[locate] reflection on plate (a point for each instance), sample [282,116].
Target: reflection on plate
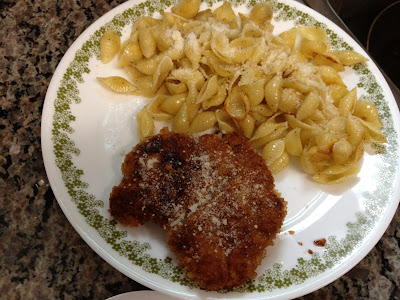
[86,131]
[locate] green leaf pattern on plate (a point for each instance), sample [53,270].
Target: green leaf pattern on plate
[274,278]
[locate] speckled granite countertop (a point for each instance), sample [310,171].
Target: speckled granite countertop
[41,255]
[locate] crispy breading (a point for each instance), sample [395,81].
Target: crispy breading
[213,195]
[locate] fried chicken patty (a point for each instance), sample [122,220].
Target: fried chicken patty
[213,195]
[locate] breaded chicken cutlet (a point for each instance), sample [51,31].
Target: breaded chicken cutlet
[213,195]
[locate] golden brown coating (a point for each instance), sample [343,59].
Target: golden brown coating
[215,198]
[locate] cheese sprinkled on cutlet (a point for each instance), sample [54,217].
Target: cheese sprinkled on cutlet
[214,196]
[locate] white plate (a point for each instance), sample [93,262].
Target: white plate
[142,295]
[86,131]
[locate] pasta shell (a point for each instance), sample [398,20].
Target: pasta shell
[290,100]
[328,59]
[162,71]
[310,48]
[184,63]
[357,154]
[222,68]
[348,57]
[279,164]
[325,141]
[176,52]
[164,41]
[131,52]
[133,73]
[258,53]
[309,106]
[308,137]
[295,123]
[272,92]
[122,47]
[208,90]
[355,131]
[336,174]
[373,133]
[241,49]
[192,49]
[342,151]
[255,92]
[277,133]
[337,124]
[186,8]
[173,104]
[225,14]
[368,112]
[220,46]
[144,22]
[318,117]
[262,109]
[145,86]
[247,125]
[293,144]
[118,85]
[147,42]
[189,77]
[312,161]
[299,56]
[337,92]
[313,33]
[156,111]
[149,65]
[273,150]
[330,76]
[193,28]
[250,29]
[218,98]
[289,37]
[261,13]
[203,121]
[181,122]
[264,130]
[296,84]
[145,124]
[237,104]
[174,19]
[348,103]
[175,86]
[258,118]
[225,122]
[192,107]
[110,43]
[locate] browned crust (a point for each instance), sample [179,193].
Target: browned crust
[215,198]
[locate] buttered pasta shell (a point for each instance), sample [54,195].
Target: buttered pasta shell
[187,8]
[273,150]
[261,13]
[110,43]
[336,174]
[237,105]
[118,85]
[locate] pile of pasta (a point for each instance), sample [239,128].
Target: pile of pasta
[226,71]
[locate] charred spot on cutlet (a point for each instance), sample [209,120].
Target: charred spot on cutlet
[153,146]
[172,158]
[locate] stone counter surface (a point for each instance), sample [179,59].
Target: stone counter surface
[41,255]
